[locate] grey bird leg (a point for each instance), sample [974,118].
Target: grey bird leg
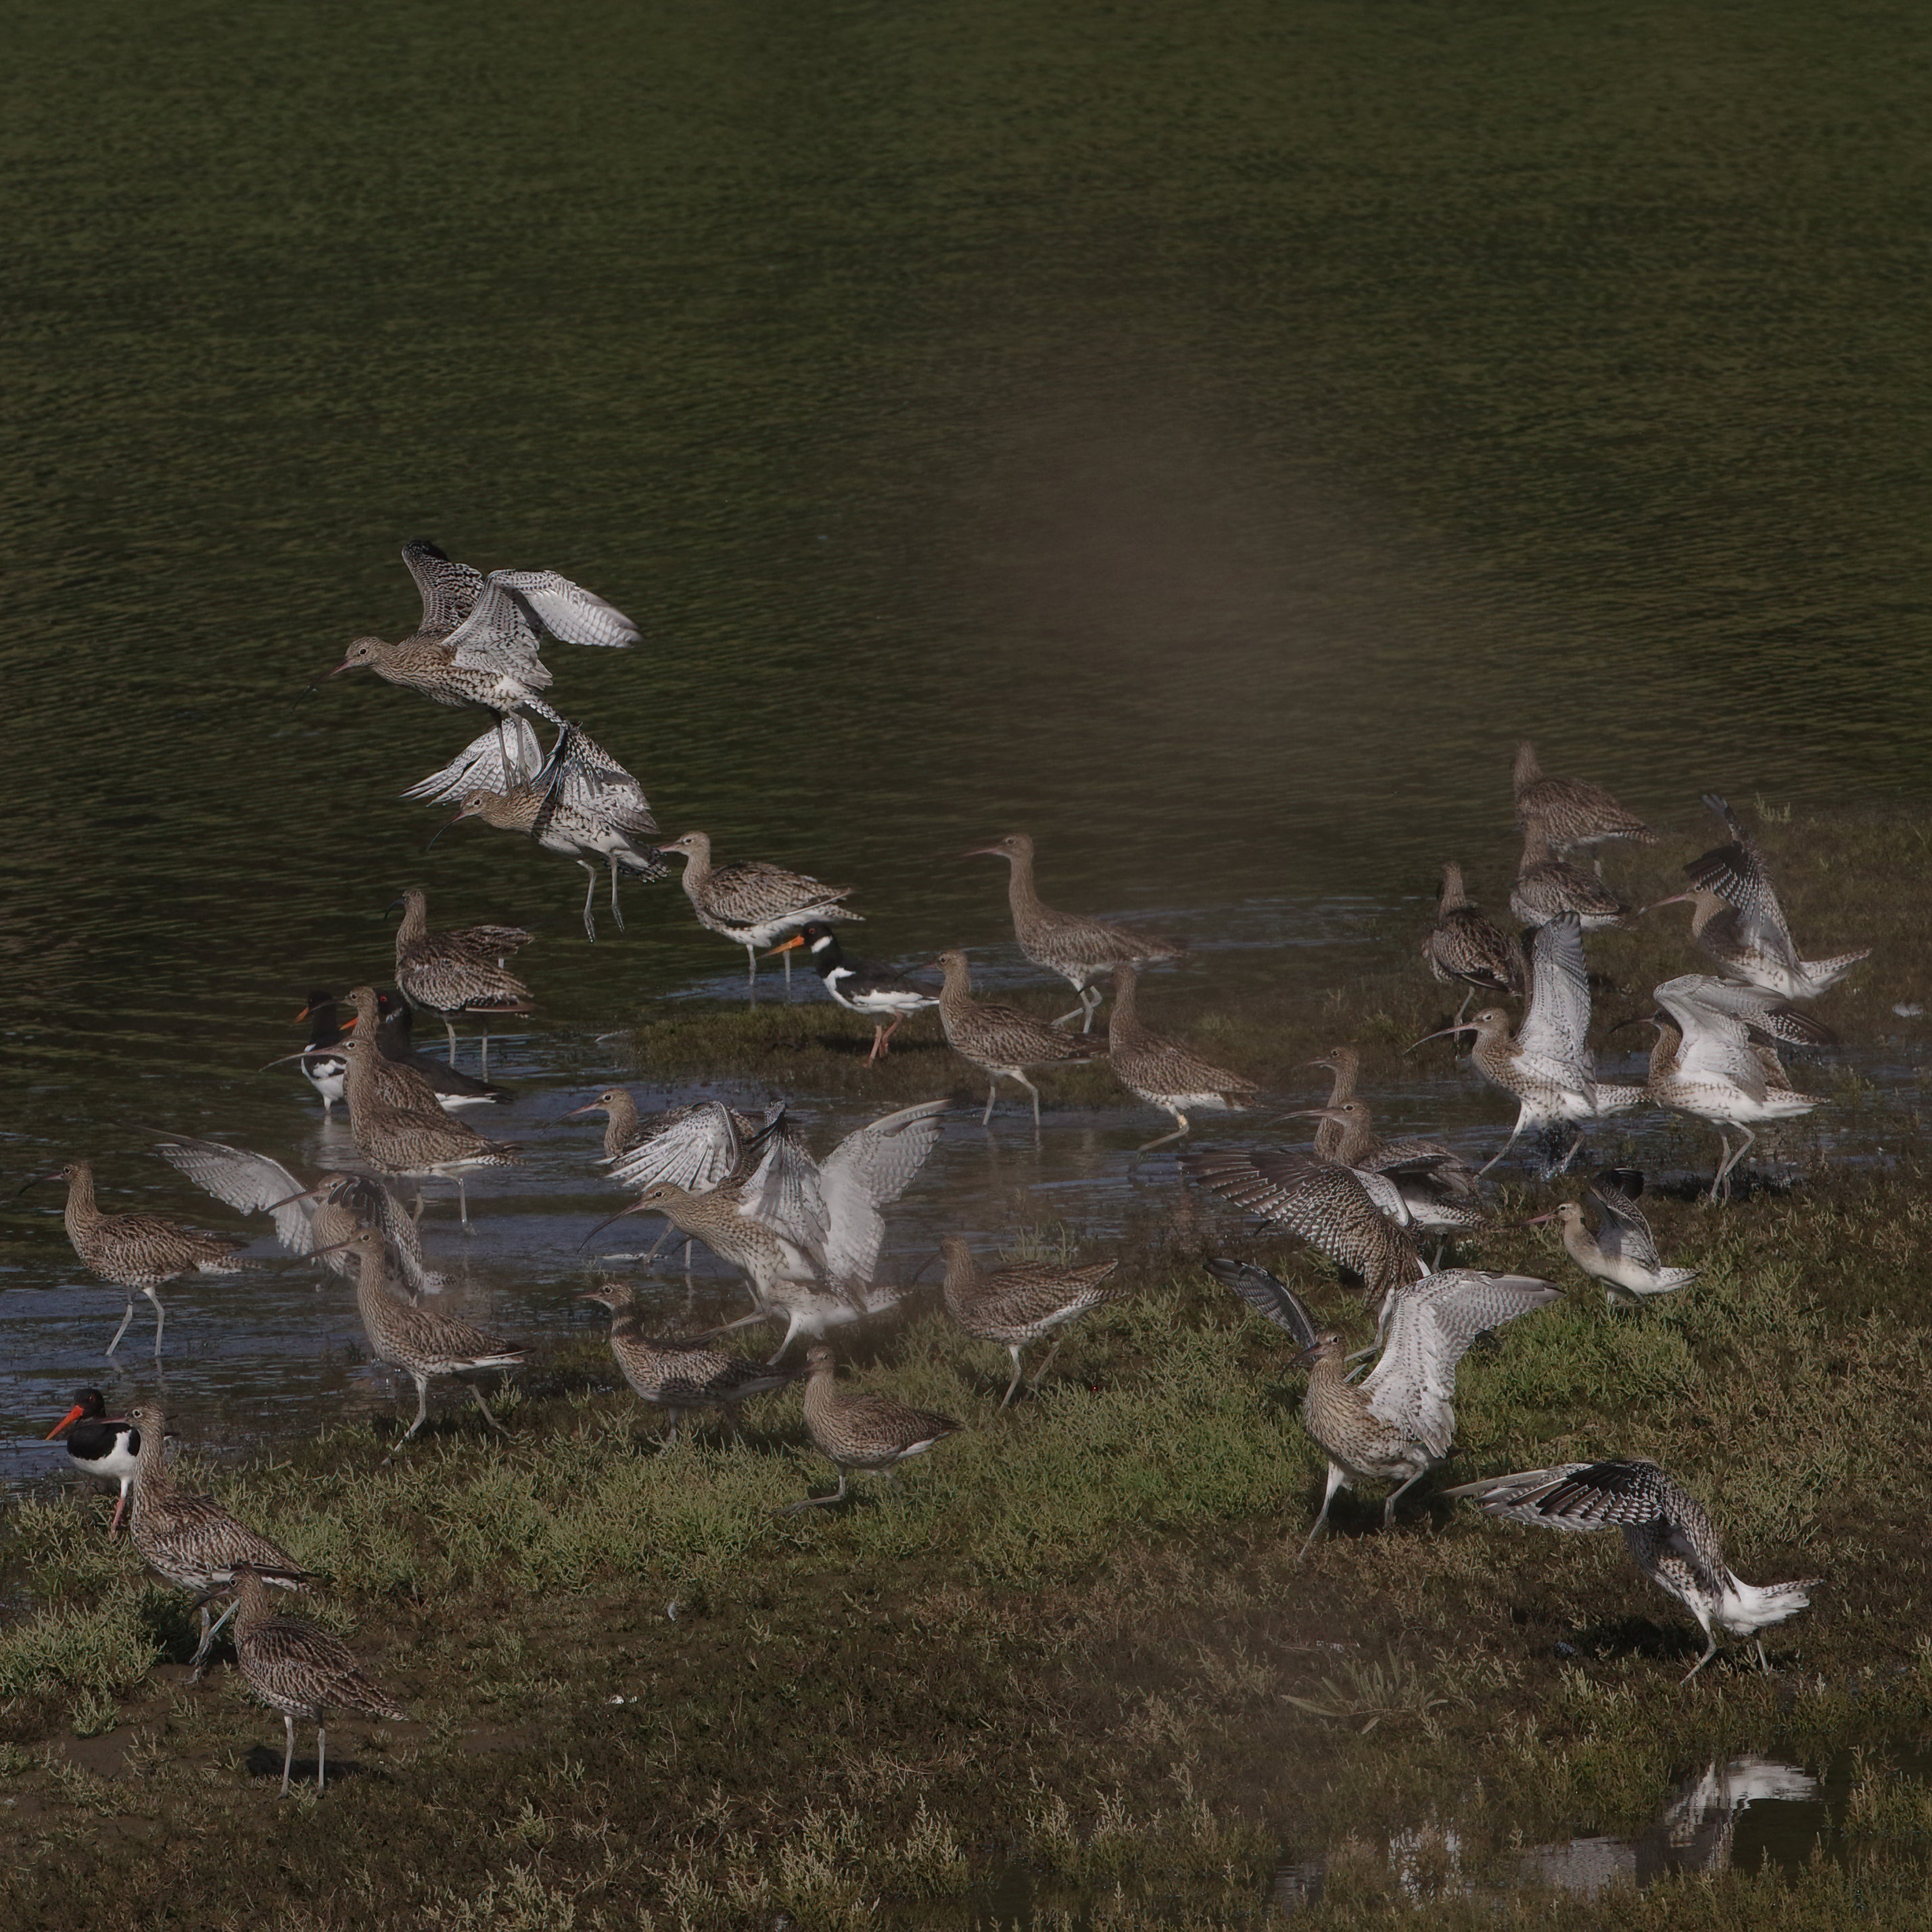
[1039,1374]
[463,1204]
[1079,1012]
[449,1026]
[422,1414]
[487,1417]
[288,1755]
[208,1636]
[1563,1166]
[1730,1166]
[1506,1146]
[1763,1662]
[791,1329]
[992,1094]
[590,893]
[1710,1652]
[1337,1476]
[1388,1508]
[161,1319]
[786,958]
[616,911]
[751,968]
[321,1754]
[670,1441]
[1148,1147]
[1723,1162]
[124,1320]
[1464,1006]
[814,1502]
[1012,1349]
[1090,998]
[1035,1092]
[486,1046]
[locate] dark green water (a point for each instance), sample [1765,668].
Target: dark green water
[1208,436]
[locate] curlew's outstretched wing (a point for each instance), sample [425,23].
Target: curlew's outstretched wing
[1556,1030]
[1739,876]
[251,1182]
[448,589]
[496,761]
[1273,1300]
[567,610]
[869,1170]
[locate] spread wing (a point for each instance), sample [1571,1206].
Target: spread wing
[581,777]
[1624,1233]
[250,1182]
[494,760]
[1272,1300]
[1737,873]
[448,589]
[1763,1013]
[1716,1045]
[866,1171]
[567,610]
[500,634]
[1556,1028]
[696,1148]
[783,1192]
[1584,1496]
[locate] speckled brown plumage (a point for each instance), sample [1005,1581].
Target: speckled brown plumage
[190,1540]
[675,1375]
[301,1670]
[750,903]
[459,971]
[1001,1041]
[1465,947]
[137,1252]
[1572,813]
[1547,887]
[1080,950]
[1161,1072]
[1018,1304]
[856,1430]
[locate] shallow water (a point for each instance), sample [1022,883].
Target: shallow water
[1209,443]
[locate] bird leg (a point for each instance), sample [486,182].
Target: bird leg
[487,1417]
[589,895]
[1710,1652]
[1506,1146]
[288,1755]
[791,1329]
[1763,1662]
[449,1027]
[486,1046]
[1730,1165]
[1035,1092]
[1012,1349]
[617,911]
[209,1636]
[463,1204]
[992,1094]
[124,1320]
[1151,1145]
[786,958]
[114,1523]
[1337,1476]
[751,972]
[1464,1006]
[1090,998]
[321,1754]
[815,1502]
[422,1414]
[1388,1508]
[1079,1012]
[1039,1374]
[1563,1166]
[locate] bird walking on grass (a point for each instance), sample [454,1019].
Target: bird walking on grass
[1163,1073]
[300,1669]
[1399,1421]
[752,904]
[1464,948]
[1082,951]
[104,1445]
[677,1376]
[138,1253]
[1622,1252]
[423,1345]
[1003,1042]
[459,970]
[192,1541]
[1022,1303]
[1737,919]
[862,986]
[855,1430]
[1668,1536]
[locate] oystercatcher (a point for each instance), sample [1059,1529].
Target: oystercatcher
[101,1444]
[860,985]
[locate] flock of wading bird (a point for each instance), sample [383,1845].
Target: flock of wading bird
[807,1234]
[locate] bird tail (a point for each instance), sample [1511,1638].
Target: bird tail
[1823,973]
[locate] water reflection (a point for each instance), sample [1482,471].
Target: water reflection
[1696,1831]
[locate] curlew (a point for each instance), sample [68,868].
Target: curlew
[1622,1252]
[677,1376]
[424,1345]
[459,970]
[138,1253]
[1003,1042]
[1739,921]
[1022,1303]
[1398,1423]
[1546,1064]
[862,986]
[1082,951]
[299,1669]
[1669,1538]
[1572,814]
[479,637]
[189,1540]
[750,903]
[1464,948]
[1547,887]
[856,1430]
[1162,1073]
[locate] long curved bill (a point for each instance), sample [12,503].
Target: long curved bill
[1445,1033]
[635,1208]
